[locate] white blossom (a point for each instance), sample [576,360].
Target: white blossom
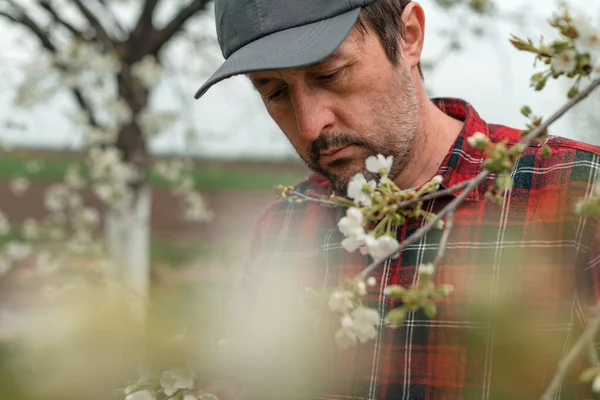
[382,246]
[175,379]
[169,170]
[141,395]
[89,216]
[446,289]
[478,140]
[73,178]
[371,281]
[359,189]
[119,110]
[190,397]
[365,322]
[155,122]
[352,223]
[354,242]
[56,197]
[195,208]
[30,229]
[341,300]
[361,287]
[95,136]
[379,164]
[596,384]
[19,185]
[588,38]
[437,180]
[427,269]
[345,337]
[16,250]
[147,71]
[564,61]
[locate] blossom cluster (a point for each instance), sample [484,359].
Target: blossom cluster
[375,208]
[374,211]
[175,383]
[178,174]
[358,323]
[576,54]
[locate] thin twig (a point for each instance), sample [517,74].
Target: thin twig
[450,208]
[313,199]
[444,241]
[593,354]
[434,195]
[530,137]
[586,337]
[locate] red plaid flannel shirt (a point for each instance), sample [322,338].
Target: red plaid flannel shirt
[532,258]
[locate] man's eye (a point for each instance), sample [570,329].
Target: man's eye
[327,77]
[276,95]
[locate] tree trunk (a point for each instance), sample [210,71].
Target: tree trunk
[128,241]
[128,234]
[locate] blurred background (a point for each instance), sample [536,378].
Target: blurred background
[80,78]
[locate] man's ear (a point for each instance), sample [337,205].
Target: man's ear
[413,17]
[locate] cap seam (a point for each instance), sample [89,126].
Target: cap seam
[257,19]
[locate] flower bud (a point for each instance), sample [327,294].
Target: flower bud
[478,140]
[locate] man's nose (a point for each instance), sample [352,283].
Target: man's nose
[313,112]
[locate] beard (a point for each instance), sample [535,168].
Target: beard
[395,127]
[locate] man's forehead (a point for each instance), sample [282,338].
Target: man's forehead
[342,53]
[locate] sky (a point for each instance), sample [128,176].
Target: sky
[488,72]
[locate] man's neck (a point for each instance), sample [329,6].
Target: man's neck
[436,134]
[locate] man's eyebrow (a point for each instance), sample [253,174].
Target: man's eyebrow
[260,82]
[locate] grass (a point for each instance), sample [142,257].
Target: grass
[206,175]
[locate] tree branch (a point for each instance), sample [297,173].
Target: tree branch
[444,242]
[175,25]
[450,208]
[144,23]
[46,5]
[23,19]
[582,341]
[113,18]
[95,23]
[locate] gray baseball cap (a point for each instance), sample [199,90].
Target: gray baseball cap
[261,35]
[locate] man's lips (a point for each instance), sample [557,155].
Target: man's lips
[332,154]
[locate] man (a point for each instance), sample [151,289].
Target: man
[342,80]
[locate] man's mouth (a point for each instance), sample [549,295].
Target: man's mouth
[330,155]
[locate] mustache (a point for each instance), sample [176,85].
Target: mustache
[332,140]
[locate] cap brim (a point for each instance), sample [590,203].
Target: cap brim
[292,48]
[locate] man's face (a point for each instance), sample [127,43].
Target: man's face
[354,104]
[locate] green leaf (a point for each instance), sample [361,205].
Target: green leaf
[429,309]
[396,317]
[546,151]
[504,182]
[395,291]
[574,91]
[526,111]
[589,374]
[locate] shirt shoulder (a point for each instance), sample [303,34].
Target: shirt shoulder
[285,215]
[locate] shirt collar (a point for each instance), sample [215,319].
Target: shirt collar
[462,162]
